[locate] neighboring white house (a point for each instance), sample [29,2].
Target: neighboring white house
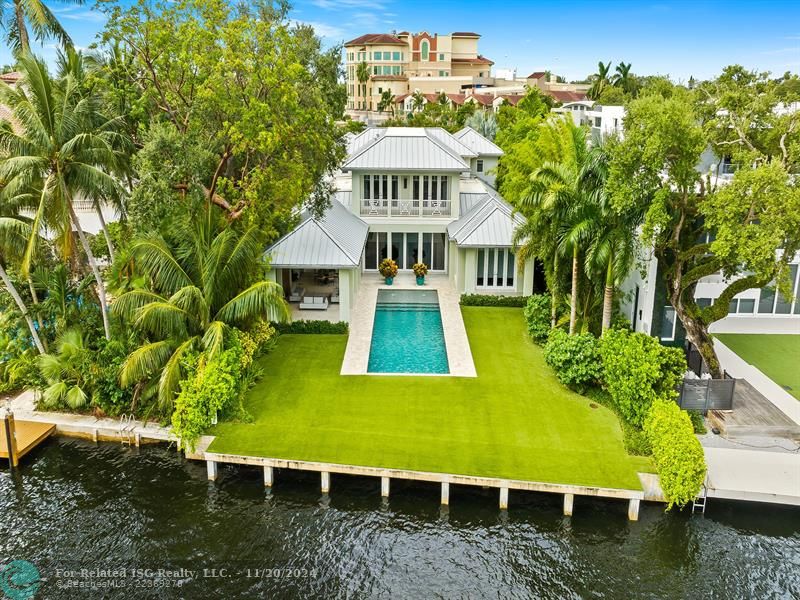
[759,310]
[413,195]
[577,110]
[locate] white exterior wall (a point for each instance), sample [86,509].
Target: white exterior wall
[647,290]
[489,168]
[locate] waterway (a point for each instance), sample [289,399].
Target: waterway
[127,513]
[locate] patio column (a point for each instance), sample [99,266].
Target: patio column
[345,294]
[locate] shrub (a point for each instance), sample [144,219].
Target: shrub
[633,438]
[488,300]
[311,327]
[537,315]
[637,370]
[574,358]
[213,386]
[420,269]
[677,453]
[388,268]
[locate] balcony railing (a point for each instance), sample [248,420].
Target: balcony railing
[405,208]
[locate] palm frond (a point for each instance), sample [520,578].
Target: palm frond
[214,339]
[262,300]
[145,361]
[171,375]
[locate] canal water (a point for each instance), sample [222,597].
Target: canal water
[146,523]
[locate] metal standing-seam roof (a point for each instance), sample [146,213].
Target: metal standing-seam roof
[477,143]
[405,149]
[491,222]
[448,139]
[334,241]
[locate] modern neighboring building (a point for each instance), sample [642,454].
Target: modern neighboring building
[404,63]
[413,195]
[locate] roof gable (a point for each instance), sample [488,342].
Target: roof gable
[334,240]
[477,143]
[490,222]
[405,149]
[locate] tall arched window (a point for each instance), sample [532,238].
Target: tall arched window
[423,48]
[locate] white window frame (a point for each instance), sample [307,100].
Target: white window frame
[674,323]
[484,268]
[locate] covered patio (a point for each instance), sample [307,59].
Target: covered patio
[318,264]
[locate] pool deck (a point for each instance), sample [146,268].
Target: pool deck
[356,356]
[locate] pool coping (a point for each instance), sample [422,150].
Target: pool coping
[459,354]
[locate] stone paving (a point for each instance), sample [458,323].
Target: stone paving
[459,356]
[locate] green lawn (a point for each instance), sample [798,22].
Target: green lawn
[775,355]
[514,421]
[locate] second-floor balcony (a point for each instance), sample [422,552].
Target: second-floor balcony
[405,208]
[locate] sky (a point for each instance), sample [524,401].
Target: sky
[679,38]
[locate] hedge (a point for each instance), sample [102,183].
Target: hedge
[487,300]
[574,358]
[538,315]
[303,326]
[677,453]
[638,370]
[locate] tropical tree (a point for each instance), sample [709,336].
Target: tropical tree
[67,371]
[624,78]
[561,203]
[362,74]
[484,123]
[14,236]
[59,150]
[201,286]
[386,102]
[417,101]
[600,80]
[19,14]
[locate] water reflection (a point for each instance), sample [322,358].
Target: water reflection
[81,504]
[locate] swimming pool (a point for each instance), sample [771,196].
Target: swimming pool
[407,334]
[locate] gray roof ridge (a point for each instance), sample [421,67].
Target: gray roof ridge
[332,238]
[290,234]
[366,146]
[471,152]
[467,130]
[444,147]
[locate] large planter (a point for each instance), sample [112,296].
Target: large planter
[420,281]
[389,280]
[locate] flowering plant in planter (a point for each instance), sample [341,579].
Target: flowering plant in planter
[388,269]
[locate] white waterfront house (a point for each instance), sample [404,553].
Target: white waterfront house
[413,195]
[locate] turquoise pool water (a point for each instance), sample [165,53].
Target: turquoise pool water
[407,335]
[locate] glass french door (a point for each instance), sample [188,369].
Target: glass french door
[495,268]
[406,248]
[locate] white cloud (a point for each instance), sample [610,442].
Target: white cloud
[78,13]
[348,4]
[325,30]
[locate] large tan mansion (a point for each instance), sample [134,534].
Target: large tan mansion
[404,63]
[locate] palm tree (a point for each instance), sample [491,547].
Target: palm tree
[61,148]
[66,370]
[599,80]
[42,21]
[624,78]
[14,236]
[199,289]
[417,101]
[362,74]
[387,101]
[558,206]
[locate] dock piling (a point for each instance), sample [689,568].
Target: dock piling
[503,498]
[385,487]
[269,475]
[633,509]
[11,439]
[568,500]
[445,493]
[211,467]
[326,481]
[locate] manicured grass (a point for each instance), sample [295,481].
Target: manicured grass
[775,355]
[515,420]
